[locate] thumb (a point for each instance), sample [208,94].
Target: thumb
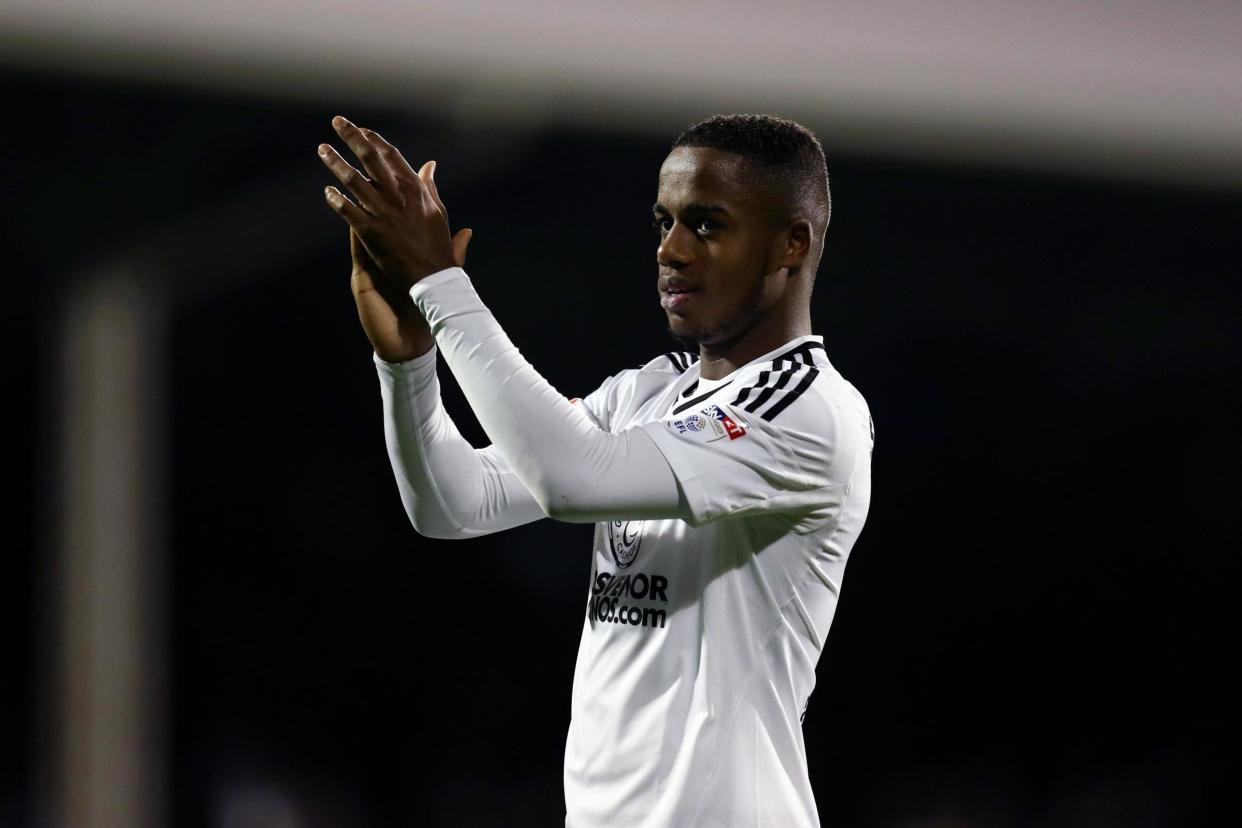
[460,242]
[428,174]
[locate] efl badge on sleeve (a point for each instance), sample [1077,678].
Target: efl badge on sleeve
[693,425]
[710,425]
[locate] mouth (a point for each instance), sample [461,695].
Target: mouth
[675,295]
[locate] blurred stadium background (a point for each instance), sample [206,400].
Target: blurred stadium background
[214,610]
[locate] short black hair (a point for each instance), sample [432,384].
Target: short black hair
[788,151]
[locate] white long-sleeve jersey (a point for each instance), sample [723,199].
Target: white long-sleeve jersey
[725,511]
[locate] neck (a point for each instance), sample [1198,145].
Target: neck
[719,359]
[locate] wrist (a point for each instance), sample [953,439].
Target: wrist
[405,354]
[448,274]
[410,276]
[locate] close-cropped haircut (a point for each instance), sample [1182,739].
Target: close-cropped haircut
[789,154]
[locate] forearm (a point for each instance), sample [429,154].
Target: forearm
[574,470]
[449,488]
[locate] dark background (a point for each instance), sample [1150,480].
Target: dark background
[1034,627]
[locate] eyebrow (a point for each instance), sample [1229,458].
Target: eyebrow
[693,207]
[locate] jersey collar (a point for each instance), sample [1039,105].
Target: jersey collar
[691,391]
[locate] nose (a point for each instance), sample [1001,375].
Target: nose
[676,248]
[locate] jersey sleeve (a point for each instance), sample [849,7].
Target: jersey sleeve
[729,462]
[576,468]
[623,392]
[449,488]
[600,404]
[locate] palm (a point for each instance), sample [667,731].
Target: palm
[394,325]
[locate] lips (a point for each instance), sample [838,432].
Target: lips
[676,291]
[672,300]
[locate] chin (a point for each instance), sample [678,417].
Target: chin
[680,325]
[688,335]
[685,335]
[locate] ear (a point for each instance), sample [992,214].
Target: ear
[795,244]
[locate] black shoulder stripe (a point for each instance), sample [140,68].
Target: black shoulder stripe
[675,358]
[695,401]
[762,386]
[797,358]
[781,381]
[759,383]
[785,401]
[803,351]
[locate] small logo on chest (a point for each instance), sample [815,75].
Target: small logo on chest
[624,538]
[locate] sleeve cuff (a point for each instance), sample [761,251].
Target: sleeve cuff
[407,368]
[420,288]
[437,278]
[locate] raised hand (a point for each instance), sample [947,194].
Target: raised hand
[390,319]
[395,213]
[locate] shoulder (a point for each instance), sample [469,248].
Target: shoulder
[654,375]
[625,391]
[792,385]
[656,372]
[673,363]
[800,392]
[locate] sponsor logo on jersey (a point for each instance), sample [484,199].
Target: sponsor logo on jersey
[624,538]
[731,426]
[711,424]
[635,599]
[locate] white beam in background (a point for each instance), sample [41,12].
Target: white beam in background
[108,691]
[1142,88]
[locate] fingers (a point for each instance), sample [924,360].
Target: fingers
[391,179]
[357,183]
[388,153]
[346,209]
[366,152]
[390,174]
[396,168]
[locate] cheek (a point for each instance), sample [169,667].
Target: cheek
[767,288]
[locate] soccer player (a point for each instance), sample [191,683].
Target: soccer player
[727,484]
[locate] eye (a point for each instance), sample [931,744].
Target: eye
[704,226]
[662,224]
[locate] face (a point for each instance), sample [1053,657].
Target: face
[717,247]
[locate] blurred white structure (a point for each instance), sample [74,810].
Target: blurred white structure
[1140,89]
[108,688]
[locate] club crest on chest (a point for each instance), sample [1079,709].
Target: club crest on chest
[624,538]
